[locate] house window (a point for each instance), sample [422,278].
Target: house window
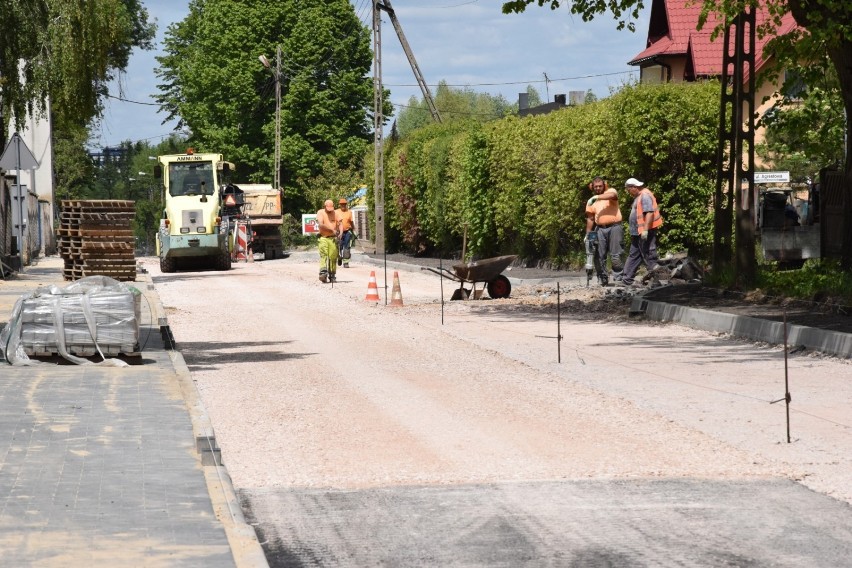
[654,74]
[794,87]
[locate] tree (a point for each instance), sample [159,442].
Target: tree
[825,28]
[67,50]
[214,84]
[72,164]
[803,135]
[454,104]
[534,97]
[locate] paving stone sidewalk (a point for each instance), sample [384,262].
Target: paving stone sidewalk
[99,466]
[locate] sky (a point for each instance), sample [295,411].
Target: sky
[467,43]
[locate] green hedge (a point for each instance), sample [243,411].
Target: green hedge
[519,185]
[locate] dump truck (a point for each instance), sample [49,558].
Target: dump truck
[263,210]
[192,226]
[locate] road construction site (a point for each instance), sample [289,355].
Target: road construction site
[464,433]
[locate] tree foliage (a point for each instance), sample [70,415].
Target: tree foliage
[825,33]
[805,134]
[72,164]
[453,104]
[67,50]
[519,185]
[213,82]
[333,182]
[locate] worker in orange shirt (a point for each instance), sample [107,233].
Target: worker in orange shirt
[329,230]
[603,216]
[347,232]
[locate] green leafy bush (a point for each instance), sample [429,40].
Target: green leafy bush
[819,280]
[519,185]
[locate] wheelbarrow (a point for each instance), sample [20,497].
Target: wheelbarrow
[486,272]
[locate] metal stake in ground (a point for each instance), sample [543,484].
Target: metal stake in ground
[558,326]
[441,276]
[787,397]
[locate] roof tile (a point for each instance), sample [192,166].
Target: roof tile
[682,36]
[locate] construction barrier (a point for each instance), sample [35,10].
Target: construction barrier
[240,241]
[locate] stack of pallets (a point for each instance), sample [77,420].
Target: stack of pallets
[95,237]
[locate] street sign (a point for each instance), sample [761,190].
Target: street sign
[309,224]
[17,156]
[771,177]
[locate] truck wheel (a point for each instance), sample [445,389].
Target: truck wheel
[168,265]
[223,261]
[500,287]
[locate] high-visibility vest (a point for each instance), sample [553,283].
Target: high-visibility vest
[656,221]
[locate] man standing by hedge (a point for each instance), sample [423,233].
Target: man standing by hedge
[644,221]
[603,216]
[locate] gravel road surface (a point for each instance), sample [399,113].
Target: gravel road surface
[311,388]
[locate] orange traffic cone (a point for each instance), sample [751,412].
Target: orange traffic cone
[396,294]
[372,289]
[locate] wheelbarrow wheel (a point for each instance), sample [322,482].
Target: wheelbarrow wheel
[500,287]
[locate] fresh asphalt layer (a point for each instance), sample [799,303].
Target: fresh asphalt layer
[616,523]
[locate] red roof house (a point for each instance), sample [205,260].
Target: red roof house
[676,51]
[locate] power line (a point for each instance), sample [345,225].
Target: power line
[130,101]
[459,5]
[453,112]
[523,82]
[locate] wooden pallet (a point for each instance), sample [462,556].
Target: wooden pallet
[95,237]
[36,350]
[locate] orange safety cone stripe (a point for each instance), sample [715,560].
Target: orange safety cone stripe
[372,289]
[396,294]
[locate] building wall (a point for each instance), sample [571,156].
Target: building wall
[672,71]
[36,134]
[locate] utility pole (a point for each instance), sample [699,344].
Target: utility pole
[424,88]
[378,125]
[277,176]
[378,116]
[734,196]
[277,76]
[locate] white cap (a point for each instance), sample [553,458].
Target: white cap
[634,182]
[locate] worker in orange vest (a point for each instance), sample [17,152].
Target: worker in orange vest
[644,221]
[347,234]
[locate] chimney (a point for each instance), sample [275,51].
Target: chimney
[559,99]
[523,101]
[577,97]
